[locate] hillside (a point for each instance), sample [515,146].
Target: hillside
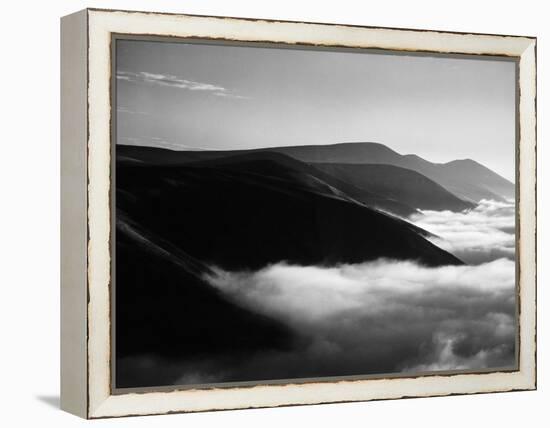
[311,177]
[254,214]
[401,184]
[163,305]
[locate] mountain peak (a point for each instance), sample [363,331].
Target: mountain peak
[365,145]
[463,161]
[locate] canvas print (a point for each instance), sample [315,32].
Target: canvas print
[288,214]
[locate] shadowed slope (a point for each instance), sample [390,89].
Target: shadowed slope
[164,308]
[128,155]
[260,212]
[312,177]
[398,183]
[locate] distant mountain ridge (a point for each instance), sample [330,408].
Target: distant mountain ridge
[466,178]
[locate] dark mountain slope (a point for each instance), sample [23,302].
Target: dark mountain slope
[238,219]
[165,308]
[398,183]
[312,177]
[341,153]
[127,155]
[160,156]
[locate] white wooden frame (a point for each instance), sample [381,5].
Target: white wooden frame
[86,218]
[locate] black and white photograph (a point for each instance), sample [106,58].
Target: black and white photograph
[301,213]
[275,213]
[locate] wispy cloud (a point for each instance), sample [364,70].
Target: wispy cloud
[126,110]
[483,234]
[149,141]
[178,82]
[226,94]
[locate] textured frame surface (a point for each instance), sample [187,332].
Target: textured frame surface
[101,25]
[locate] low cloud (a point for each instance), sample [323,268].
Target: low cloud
[476,236]
[172,81]
[378,317]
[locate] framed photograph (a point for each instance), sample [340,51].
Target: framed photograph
[262,213]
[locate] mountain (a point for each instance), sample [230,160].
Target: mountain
[465,178]
[456,171]
[250,213]
[161,156]
[341,153]
[401,184]
[158,156]
[313,177]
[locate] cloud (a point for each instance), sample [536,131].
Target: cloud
[225,94]
[476,236]
[172,81]
[125,110]
[377,317]
[149,141]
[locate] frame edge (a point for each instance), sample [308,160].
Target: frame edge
[103,404]
[74,236]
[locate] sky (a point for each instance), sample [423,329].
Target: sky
[201,96]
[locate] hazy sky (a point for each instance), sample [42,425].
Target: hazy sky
[193,96]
